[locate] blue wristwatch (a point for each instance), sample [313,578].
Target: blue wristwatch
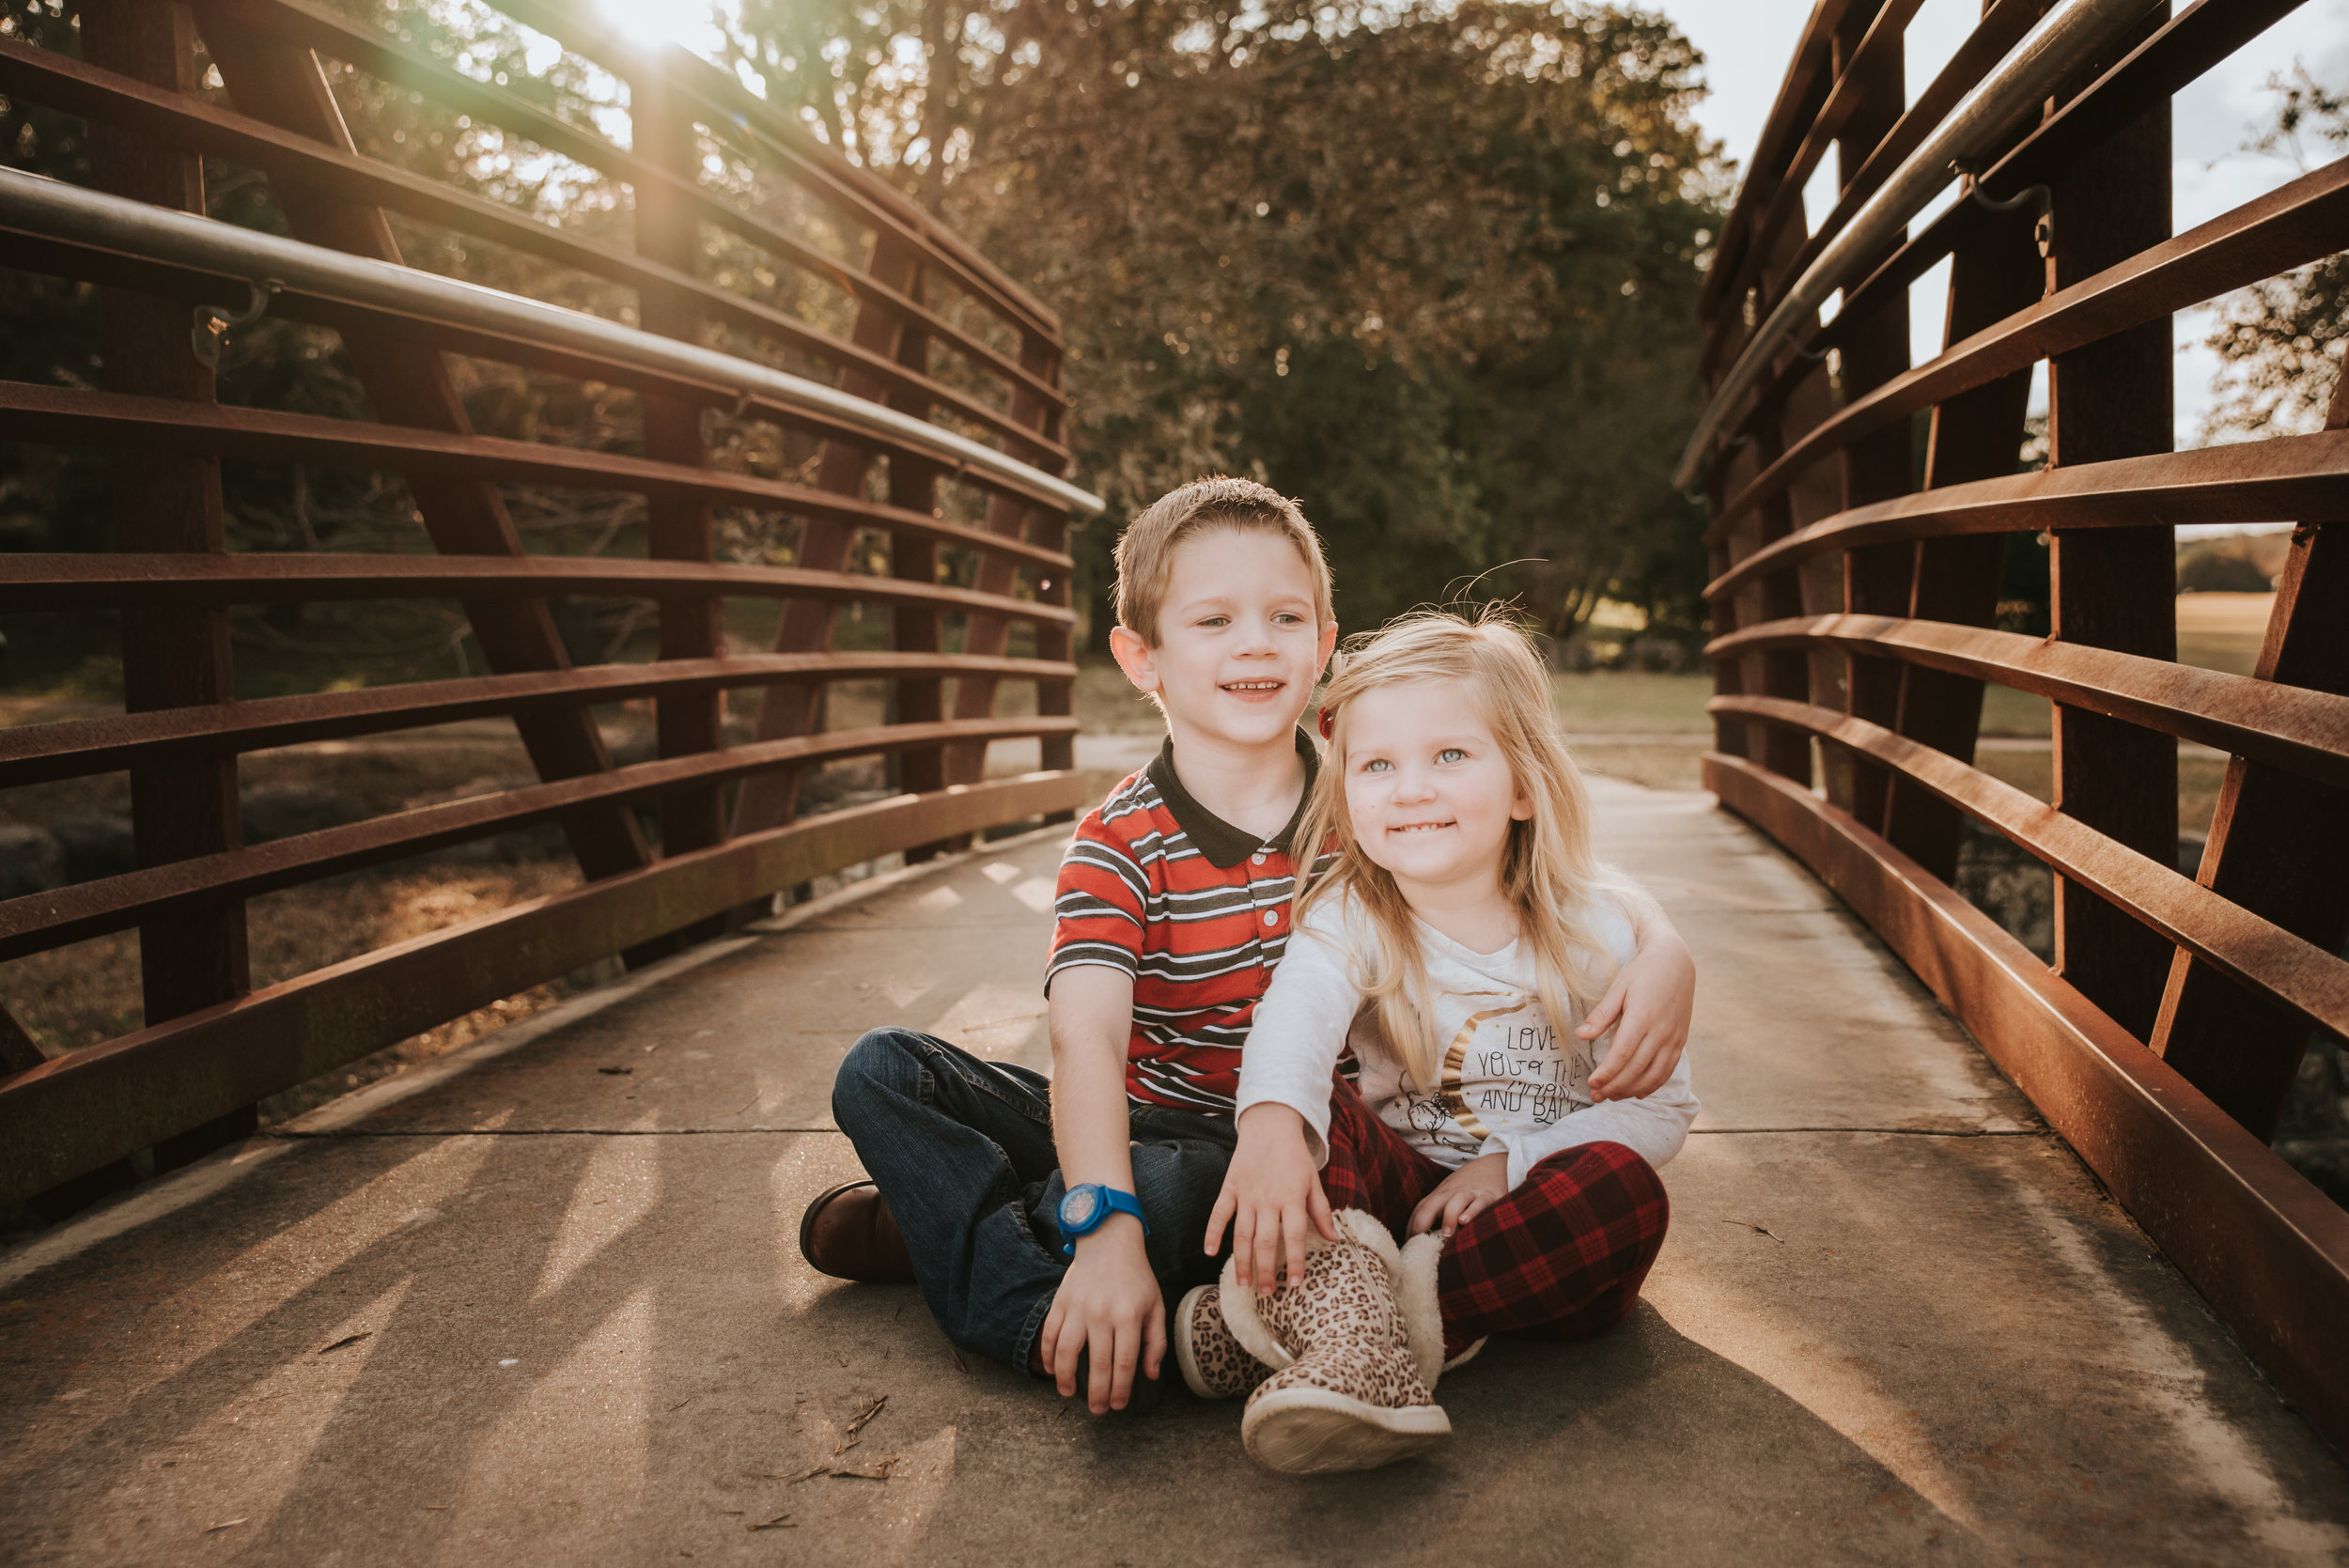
[1084,1207]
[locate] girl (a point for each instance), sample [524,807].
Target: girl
[1462,933]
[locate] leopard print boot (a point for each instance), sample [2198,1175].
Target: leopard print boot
[1215,1364]
[1352,1388]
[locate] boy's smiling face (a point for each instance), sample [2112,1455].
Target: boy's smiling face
[1240,645]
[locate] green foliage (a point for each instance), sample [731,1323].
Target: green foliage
[1431,271]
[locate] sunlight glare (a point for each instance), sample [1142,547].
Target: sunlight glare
[689,24]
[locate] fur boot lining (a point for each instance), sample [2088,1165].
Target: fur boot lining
[1415,1292]
[1238,1304]
[1358,1226]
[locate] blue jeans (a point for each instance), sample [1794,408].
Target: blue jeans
[962,1149]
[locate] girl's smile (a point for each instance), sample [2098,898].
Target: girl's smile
[1428,792]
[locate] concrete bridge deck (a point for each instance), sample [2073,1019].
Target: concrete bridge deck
[543,1303]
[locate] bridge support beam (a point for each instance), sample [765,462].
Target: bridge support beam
[2278,846]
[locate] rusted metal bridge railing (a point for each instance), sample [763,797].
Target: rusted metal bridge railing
[934,419]
[1856,592]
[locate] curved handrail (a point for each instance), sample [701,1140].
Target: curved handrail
[56,210]
[2065,39]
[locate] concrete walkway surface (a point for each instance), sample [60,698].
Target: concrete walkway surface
[544,1304]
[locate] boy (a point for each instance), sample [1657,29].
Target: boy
[1048,1222]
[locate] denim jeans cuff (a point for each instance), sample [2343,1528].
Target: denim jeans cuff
[1029,1329]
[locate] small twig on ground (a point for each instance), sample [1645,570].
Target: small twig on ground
[348,1338]
[877,1471]
[863,1416]
[1757,1230]
[224,1524]
[781,1521]
[957,1356]
[807,1475]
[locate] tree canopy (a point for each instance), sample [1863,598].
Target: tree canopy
[1431,269]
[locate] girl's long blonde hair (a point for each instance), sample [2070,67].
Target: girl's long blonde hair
[1548,873]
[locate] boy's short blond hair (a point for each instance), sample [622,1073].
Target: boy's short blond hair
[1145,551]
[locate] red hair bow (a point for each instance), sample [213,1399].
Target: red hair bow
[1328,722]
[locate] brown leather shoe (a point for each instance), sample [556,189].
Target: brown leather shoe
[847,1233]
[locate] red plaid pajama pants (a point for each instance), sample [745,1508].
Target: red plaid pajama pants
[1563,1256]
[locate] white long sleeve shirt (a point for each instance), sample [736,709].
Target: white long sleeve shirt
[1513,1078]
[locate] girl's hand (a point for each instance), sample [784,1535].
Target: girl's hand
[1648,1007]
[1271,1193]
[1462,1195]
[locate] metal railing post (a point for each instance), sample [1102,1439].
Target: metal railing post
[2114,588]
[678,527]
[169,501]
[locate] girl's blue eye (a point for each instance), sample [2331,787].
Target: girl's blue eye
[1452,754]
[1378,765]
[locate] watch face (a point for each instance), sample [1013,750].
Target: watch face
[1079,1208]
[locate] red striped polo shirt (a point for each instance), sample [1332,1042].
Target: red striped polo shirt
[1196,909]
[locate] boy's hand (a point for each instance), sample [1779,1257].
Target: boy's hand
[1460,1196]
[1648,1007]
[1271,1193]
[1109,1302]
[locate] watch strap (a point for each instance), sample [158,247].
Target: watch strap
[1112,1201]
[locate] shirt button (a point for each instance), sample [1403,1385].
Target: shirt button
[1257,857]
[1272,916]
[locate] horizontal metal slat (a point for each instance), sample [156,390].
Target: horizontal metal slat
[79,1110]
[71,417]
[2299,222]
[2298,974]
[2290,727]
[37,922]
[78,748]
[2252,481]
[2265,1248]
[30,582]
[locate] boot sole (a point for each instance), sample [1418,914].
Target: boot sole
[1192,1379]
[1313,1431]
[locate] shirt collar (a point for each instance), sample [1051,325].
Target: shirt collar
[1223,845]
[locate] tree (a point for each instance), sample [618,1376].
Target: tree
[2281,340]
[1432,270]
